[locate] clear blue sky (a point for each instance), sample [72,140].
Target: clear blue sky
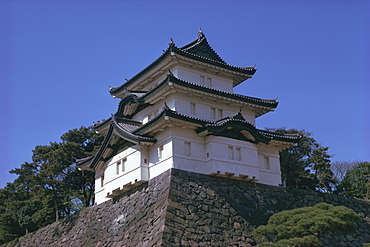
[58,59]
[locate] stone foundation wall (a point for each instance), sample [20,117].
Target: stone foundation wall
[213,211]
[181,208]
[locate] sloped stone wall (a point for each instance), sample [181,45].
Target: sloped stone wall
[181,208]
[213,211]
[137,219]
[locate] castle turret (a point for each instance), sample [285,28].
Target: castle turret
[181,112]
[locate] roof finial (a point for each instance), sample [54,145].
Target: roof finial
[200,33]
[172,42]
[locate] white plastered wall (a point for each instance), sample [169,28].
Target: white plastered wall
[269,163]
[193,76]
[203,108]
[135,170]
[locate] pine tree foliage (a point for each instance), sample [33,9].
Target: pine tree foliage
[356,182]
[50,187]
[306,165]
[303,226]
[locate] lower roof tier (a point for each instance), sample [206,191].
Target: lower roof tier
[125,132]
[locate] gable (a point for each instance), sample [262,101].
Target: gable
[201,47]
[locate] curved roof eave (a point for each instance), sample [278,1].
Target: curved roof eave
[114,91]
[128,136]
[291,138]
[263,102]
[84,163]
[242,70]
[114,130]
[236,124]
[167,112]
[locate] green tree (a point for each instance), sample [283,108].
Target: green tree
[306,165]
[49,187]
[303,226]
[356,182]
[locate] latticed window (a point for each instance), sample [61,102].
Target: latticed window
[160,152]
[102,180]
[213,113]
[209,82]
[118,166]
[187,148]
[266,162]
[202,80]
[192,108]
[231,152]
[123,165]
[238,154]
[219,113]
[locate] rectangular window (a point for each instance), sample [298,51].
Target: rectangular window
[238,154]
[231,153]
[267,162]
[118,165]
[187,148]
[213,113]
[202,81]
[123,165]
[209,82]
[219,113]
[102,181]
[160,152]
[192,108]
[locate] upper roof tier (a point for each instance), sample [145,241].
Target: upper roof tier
[198,52]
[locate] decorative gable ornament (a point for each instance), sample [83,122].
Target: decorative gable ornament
[181,112]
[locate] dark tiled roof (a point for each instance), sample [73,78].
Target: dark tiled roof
[253,100]
[199,46]
[237,120]
[80,162]
[132,131]
[202,48]
[132,97]
[124,128]
[280,136]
